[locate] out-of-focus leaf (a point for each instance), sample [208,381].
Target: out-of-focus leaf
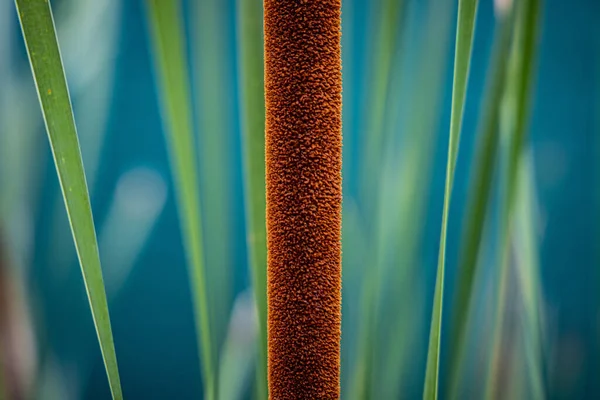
[381,65]
[519,86]
[251,71]
[138,201]
[528,278]
[386,45]
[212,65]
[478,201]
[239,349]
[168,42]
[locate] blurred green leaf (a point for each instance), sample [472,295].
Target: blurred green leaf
[171,69]
[214,104]
[251,72]
[44,55]
[239,349]
[519,85]
[385,47]
[380,67]
[398,341]
[478,200]
[350,227]
[138,201]
[467,11]
[528,274]
[353,260]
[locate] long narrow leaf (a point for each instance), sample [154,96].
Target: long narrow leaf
[467,10]
[479,199]
[529,278]
[386,45]
[378,88]
[253,138]
[213,96]
[169,51]
[519,85]
[86,24]
[397,341]
[44,55]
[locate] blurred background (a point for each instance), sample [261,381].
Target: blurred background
[397,71]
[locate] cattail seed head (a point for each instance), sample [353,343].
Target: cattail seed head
[303,86]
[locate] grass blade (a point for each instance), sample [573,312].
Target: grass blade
[378,86]
[519,93]
[529,278]
[386,45]
[250,20]
[479,200]
[399,342]
[44,55]
[169,51]
[87,24]
[467,10]
[212,66]
[239,349]
[524,53]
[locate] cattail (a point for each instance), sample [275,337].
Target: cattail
[303,86]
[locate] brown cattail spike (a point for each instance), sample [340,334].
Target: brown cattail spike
[303,85]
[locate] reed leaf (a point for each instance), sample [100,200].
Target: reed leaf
[378,89]
[398,341]
[478,200]
[528,274]
[519,84]
[251,72]
[239,349]
[467,11]
[386,45]
[213,94]
[86,24]
[168,41]
[39,33]
[350,277]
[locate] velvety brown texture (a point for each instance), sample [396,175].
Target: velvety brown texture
[303,85]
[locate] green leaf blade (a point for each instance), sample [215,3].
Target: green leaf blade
[479,200]
[250,20]
[212,93]
[168,39]
[38,29]
[467,11]
[519,88]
